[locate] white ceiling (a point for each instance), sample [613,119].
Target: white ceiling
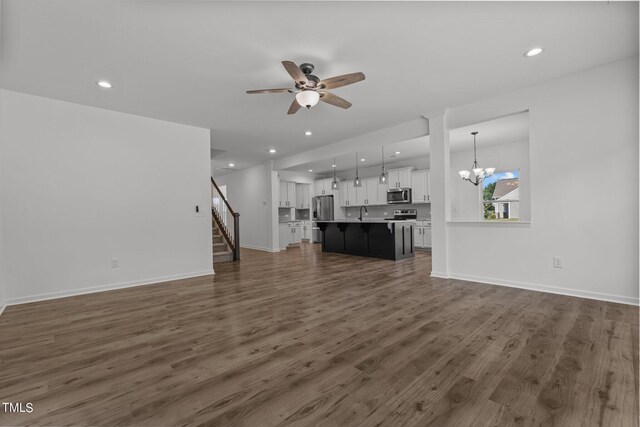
[504,130]
[192,61]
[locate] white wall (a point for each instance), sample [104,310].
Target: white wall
[465,197]
[2,279]
[584,162]
[82,185]
[249,193]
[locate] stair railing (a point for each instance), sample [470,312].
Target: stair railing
[226,218]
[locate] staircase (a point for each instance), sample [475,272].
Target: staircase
[221,250]
[225,227]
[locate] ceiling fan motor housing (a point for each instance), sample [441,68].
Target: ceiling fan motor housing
[307,68]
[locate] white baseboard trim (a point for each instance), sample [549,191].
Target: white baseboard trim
[2,307]
[110,287]
[548,289]
[260,248]
[439,275]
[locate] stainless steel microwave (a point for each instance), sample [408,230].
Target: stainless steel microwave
[399,195]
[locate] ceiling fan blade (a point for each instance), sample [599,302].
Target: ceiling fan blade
[339,81]
[332,99]
[269,91]
[294,107]
[295,72]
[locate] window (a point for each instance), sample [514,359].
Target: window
[501,196]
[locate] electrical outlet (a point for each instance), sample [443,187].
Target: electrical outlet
[115,262]
[385,214]
[558,262]
[349,214]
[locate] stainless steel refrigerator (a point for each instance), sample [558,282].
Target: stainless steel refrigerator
[322,211]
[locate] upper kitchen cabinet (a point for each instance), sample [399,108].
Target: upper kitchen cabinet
[287,196]
[349,194]
[303,196]
[322,187]
[367,194]
[420,187]
[400,178]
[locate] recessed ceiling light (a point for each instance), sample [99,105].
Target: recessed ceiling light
[104,84]
[397,152]
[308,133]
[533,52]
[333,166]
[231,165]
[362,160]
[310,170]
[272,150]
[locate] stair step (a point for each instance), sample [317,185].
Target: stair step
[222,257]
[217,238]
[220,247]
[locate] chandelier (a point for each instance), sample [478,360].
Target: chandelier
[479,173]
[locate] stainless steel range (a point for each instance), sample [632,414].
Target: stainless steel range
[404,214]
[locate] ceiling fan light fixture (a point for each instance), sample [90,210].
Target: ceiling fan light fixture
[307,98]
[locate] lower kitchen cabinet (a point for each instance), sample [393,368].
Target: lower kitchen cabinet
[306,231]
[422,234]
[290,233]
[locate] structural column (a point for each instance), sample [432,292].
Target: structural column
[440,191]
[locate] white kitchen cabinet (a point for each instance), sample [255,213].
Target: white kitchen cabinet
[282,194]
[306,196]
[367,195]
[417,237]
[382,193]
[322,187]
[348,194]
[400,178]
[287,196]
[284,234]
[422,234]
[420,187]
[371,195]
[306,230]
[296,232]
[426,236]
[291,194]
[303,197]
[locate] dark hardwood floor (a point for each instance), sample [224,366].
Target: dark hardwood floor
[306,338]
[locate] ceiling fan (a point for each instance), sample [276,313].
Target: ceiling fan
[309,89]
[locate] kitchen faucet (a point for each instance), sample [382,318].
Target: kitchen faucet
[365,209]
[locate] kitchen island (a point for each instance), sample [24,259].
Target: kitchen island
[389,239]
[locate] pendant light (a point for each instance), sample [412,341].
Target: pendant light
[384,176]
[356,180]
[334,183]
[479,173]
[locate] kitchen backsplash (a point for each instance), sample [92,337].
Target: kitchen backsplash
[424,211]
[302,214]
[284,215]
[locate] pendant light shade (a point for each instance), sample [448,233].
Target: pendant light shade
[479,174]
[308,98]
[356,180]
[334,183]
[384,176]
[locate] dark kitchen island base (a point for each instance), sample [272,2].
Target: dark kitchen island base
[377,239]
